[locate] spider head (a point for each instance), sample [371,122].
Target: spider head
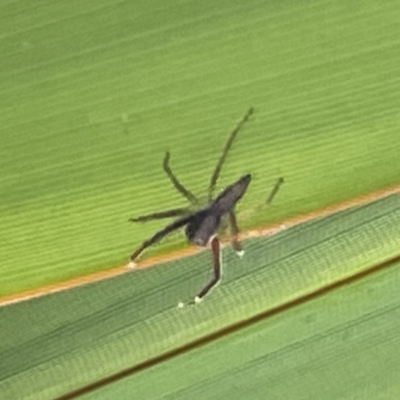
[202,226]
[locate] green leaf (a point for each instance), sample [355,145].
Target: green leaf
[92,95]
[95,92]
[58,343]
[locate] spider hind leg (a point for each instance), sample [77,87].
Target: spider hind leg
[216,258]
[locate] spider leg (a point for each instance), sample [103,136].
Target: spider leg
[274,190]
[177,185]
[215,249]
[234,232]
[228,145]
[159,235]
[176,212]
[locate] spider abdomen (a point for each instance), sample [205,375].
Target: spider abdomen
[227,199]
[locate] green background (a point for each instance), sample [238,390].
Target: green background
[92,95]
[57,343]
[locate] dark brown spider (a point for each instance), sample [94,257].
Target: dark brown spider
[202,225]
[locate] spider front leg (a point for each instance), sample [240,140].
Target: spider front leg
[216,258]
[228,145]
[274,190]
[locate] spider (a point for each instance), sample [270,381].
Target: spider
[202,225]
